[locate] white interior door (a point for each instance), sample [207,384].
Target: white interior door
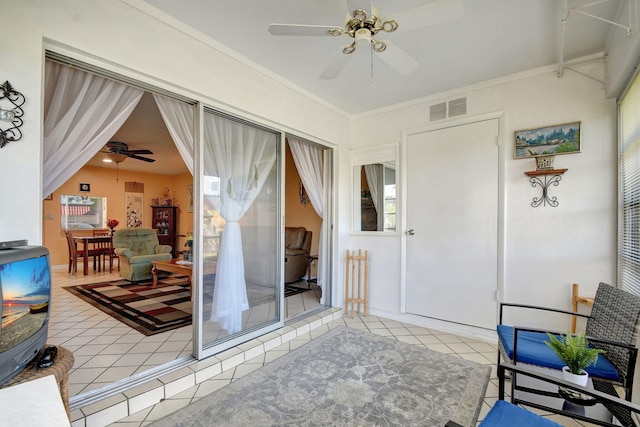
[452,215]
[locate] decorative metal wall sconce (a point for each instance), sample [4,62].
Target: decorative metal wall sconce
[12,115]
[304,199]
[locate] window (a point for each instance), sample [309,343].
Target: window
[83,212]
[629,246]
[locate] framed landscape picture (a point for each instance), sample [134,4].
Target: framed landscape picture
[556,139]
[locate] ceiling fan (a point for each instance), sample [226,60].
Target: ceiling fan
[363,23]
[119,151]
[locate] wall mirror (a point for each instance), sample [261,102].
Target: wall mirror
[375,177]
[82,212]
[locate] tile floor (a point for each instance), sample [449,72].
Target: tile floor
[106,351]
[470,349]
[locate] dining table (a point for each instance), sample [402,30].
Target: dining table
[86,241]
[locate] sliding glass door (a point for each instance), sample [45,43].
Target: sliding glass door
[240,233]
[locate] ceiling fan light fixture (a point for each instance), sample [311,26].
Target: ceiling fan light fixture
[389,26]
[363,37]
[114,157]
[378,46]
[360,15]
[349,48]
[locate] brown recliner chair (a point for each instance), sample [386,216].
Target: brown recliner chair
[297,244]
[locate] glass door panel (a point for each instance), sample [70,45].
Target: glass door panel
[241,243]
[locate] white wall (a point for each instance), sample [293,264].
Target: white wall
[546,249]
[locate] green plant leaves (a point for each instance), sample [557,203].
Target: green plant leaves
[574,350]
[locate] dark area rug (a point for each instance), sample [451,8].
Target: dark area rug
[347,377]
[295,289]
[148,311]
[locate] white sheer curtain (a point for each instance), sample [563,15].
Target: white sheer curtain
[374,174]
[178,117]
[309,161]
[82,112]
[242,157]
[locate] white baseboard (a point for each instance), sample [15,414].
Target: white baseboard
[481,334]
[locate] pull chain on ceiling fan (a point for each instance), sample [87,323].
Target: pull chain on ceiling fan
[363,24]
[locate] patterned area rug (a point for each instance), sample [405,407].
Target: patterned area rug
[291,290]
[148,311]
[347,378]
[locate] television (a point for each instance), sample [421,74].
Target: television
[25,292]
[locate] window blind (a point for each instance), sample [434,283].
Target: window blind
[629,131]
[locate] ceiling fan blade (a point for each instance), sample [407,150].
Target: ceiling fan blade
[140,151]
[145,159]
[301,30]
[398,59]
[335,66]
[434,12]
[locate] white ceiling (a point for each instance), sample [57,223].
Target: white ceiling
[494,38]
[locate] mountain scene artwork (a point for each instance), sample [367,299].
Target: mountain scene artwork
[557,139]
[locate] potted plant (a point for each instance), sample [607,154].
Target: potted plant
[188,244]
[574,350]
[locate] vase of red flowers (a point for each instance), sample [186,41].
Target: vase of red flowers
[112,224]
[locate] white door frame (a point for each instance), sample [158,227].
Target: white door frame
[502,144]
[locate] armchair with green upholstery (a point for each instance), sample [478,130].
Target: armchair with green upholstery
[137,249]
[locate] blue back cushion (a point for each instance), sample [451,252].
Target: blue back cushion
[533,350]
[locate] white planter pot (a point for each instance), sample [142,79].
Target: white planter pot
[574,378]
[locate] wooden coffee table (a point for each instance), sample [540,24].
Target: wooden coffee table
[172,267]
[177,266]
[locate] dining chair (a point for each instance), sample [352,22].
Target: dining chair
[104,250]
[74,253]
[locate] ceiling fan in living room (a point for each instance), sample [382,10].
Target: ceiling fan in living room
[118,152]
[363,23]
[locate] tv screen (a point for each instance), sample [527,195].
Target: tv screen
[25,290]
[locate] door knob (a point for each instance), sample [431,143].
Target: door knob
[410,232]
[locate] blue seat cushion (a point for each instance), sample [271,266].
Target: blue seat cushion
[505,414]
[533,350]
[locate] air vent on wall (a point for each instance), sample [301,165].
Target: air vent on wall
[438,111]
[457,107]
[453,108]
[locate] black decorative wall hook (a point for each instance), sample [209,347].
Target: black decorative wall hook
[12,115]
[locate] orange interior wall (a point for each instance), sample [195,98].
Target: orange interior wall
[103,184]
[297,215]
